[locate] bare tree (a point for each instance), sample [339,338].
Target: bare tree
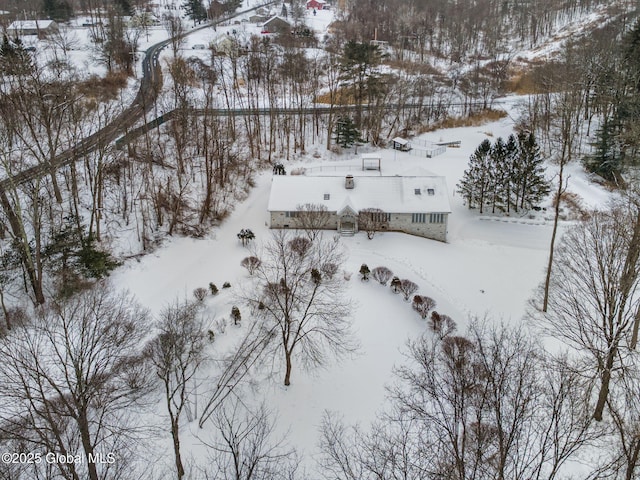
[312,218]
[593,300]
[373,220]
[301,302]
[230,371]
[70,380]
[477,407]
[246,449]
[177,354]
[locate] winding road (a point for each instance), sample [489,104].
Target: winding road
[150,85]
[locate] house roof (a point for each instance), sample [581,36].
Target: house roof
[400,141]
[393,194]
[31,24]
[276,19]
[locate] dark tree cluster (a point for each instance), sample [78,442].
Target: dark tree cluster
[505,176]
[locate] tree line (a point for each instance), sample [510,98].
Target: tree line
[505,176]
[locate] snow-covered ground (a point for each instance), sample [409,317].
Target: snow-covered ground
[489,266]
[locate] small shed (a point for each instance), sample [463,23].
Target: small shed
[41,28]
[316,4]
[276,25]
[401,144]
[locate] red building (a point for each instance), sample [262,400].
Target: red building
[316,4]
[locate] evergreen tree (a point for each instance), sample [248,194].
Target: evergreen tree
[509,175]
[346,133]
[531,183]
[358,70]
[195,10]
[475,180]
[498,173]
[58,10]
[607,159]
[511,171]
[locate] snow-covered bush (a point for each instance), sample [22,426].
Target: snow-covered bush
[200,294]
[381,275]
[395,284]
[442,325]
[364,272]
[250,263]
[213,289]
[408,288]
[423,305]
[235,315]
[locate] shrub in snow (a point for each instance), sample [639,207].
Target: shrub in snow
[235,315]
[381,275]
[221,325]
[211,335]
[346,275]
[316,276]
[442,325]
[226,285]
[408,288]
[423,305]
[251,264]
[245,236]
[395,284]
[300,245]
[213,289]
[364,271]
[200,294]
[329,269]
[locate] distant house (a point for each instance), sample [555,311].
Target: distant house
[227,45]
[258,19]
[276,25]
[41,28]
[418,205]
[316,4]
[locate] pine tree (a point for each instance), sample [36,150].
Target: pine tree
[533,186]
[607,159]
[195,10]
[497,172]
[58,10]
[511,167]
[475,180]
[346,133]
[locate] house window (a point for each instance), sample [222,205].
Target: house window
[436,218]
[430,191]
[380,217]
[418,217]
[327,196]
[291,214]
[416,191]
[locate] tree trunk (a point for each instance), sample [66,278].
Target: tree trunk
[287,375]
[633,461]
[87,446]
[175,434]
[604,385]
[547,280]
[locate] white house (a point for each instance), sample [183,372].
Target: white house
[418,205]
[41,28]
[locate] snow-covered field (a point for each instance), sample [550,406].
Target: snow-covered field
[489,267]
